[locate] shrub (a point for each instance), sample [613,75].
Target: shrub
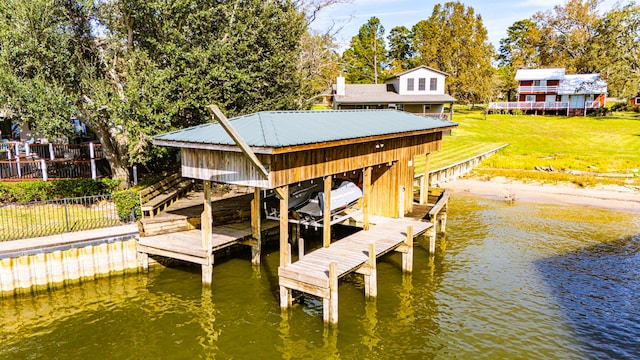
[58,189]
[127,203]
[622,106]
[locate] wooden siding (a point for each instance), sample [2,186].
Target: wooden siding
[299,166]
[391,160]
[223,166]
[392,167]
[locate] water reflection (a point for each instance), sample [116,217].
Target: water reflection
[514,281]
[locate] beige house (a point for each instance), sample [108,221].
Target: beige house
[420,90]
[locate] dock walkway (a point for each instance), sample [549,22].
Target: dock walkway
[187,245]
[318,272]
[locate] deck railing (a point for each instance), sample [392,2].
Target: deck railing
[538,89]
[41,169]
[24,161]
[43,218]
[543,105]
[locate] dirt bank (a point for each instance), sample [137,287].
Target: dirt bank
[606,197]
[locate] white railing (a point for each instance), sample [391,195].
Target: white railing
[538,89]
[441,116]
[544,105]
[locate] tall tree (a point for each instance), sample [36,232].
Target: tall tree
[618,47]
[454,40]
[133,68]
[520,48]
[401,50]
[566,35]
[319,66]
[365,59]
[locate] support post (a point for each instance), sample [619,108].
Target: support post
[92,156]
[52,155]
[43,168]
[330,305]
[326,212]
[371,279]
[18,168]
[432,236]
[300,249]
[366,196]
[285,293]
[407,257]
[424,182]
[284,226]
[256,231]
[207,232]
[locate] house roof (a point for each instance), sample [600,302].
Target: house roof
[276,129]
[539,74]
[582,84]
[416,68]
[379,94]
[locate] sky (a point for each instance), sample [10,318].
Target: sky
[497,15]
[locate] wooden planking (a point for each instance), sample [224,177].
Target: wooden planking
[190,242]
[305,165]
[351,252]
[223,167]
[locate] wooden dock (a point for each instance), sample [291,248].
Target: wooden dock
[187,245]
[318,272]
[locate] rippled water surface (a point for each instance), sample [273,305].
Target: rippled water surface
[508,281]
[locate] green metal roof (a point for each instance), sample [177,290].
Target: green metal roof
[292,128]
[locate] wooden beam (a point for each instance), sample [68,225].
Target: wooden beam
[366,196]
[371,280]
[256,231]
[326,212]
[407,258]
[424,181]
[330,312]
[246,149]
[206,220]
[284,226]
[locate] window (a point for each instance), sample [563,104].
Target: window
[637,101]
[410,84]
[422,84]
[530,98]
[433,84]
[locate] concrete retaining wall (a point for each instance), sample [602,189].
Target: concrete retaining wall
[53,261]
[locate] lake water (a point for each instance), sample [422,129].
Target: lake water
[507,282]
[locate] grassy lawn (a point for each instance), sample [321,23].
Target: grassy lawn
[19,222]
[603,145]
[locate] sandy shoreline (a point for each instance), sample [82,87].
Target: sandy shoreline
[605,197]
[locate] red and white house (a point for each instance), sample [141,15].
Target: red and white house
[553,91]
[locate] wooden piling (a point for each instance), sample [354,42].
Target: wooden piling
[256,231]
[330,305]
[371,279]
[206,228]
[366,197]
[300,248]
[407,256]
[326,212]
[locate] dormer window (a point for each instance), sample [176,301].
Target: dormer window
[433,84]
[422,84]
[410,84]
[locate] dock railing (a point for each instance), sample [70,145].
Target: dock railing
[450,172]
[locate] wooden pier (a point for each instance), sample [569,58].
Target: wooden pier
[318,272]
[187,245]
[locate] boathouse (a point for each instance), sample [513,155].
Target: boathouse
[276,150]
